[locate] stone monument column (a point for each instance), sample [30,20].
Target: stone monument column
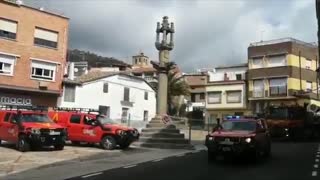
[164,46]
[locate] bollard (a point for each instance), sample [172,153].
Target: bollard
[189,133]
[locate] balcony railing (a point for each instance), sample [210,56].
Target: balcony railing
[278,91]
[258,93]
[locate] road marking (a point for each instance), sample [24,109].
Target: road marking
[180,155]
[314,173]
[318,152]
[317,160]
[318,156]
[157,160]
[315,166]
[90,175]
[130,166]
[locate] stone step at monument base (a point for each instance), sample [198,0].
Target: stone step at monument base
[162,135]
[160,130]
[171,140]
[164,145]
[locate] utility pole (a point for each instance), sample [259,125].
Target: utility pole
[318,20]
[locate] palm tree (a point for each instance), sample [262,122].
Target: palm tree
[177,86]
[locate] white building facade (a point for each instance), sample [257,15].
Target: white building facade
[124,98]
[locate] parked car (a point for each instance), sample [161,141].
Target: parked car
[87,126]
[239,135]
[30,128]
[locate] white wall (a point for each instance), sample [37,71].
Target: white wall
[218,75]
[91,95]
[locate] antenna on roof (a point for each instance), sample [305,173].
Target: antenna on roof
[261,37]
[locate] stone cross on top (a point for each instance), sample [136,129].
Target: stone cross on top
[165,29]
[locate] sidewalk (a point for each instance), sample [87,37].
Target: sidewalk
[83,164]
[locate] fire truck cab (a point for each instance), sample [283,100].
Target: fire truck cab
[87,125]
[30,128]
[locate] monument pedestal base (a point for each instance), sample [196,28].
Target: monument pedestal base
[157,134]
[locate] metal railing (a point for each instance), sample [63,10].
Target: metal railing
[278,91]
[258,93]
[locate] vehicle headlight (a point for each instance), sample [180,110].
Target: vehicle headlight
[35,131]
[121,132]
[211,138]
[248,140]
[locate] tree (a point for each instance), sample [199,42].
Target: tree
[177,86]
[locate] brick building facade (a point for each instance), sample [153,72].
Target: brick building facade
[33,48]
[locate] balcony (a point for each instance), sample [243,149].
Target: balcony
[278,91]
[151,79]
[258,93]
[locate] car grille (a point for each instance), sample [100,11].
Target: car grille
[232,139]
[47,131]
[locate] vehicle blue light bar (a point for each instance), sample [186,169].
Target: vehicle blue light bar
[233,117]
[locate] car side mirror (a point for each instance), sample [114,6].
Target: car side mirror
[13,121]
[94,123]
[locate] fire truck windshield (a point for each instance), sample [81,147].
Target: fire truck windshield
[106,120]
[38,118]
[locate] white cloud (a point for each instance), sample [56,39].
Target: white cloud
[208,33]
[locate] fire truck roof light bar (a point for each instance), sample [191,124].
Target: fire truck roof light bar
[75,109]
[28,108]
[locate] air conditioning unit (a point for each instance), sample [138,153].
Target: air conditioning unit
[43,84]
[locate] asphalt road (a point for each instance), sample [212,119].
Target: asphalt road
[288,161]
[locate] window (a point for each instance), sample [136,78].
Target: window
[69,93]
[238,77]
[234,97]
[75,119]
[308,64]
[275,61]
[47,38]
[6,64]
[105,87]
[257,63]
[124,115]
[126,95]
[258,88]
[309,86]
[145,116]
[193,97]
[6,118]
[278,87]
[43,70]
[214,97]
[146,95]
[202,96]
[104,110]
[8,29]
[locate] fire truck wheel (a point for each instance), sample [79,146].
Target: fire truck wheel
[59,147]
[108,143]
[22,144]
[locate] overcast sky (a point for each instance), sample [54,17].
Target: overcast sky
[209,33]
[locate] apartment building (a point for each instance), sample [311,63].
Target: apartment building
[33,45]
[282,72]
[226,92]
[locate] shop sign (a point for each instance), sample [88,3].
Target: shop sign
[22,101]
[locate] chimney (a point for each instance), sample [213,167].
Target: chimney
[226,77]
[71,71]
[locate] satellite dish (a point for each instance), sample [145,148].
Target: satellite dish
[19,2]
[75,69]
